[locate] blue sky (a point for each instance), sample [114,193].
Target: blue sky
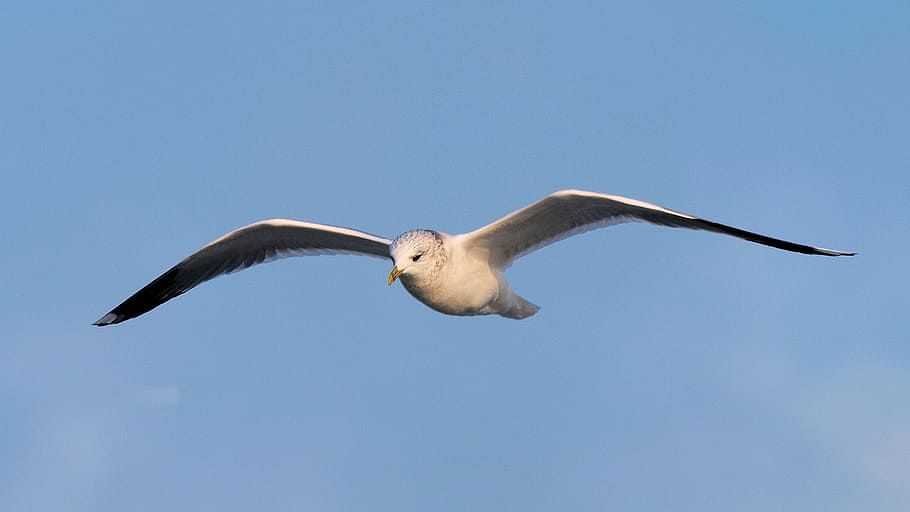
[665,370]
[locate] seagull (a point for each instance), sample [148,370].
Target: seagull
[454,274]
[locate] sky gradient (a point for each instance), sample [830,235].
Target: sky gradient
[667,369]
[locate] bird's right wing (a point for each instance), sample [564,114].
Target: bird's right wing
[250,245]
[570,212]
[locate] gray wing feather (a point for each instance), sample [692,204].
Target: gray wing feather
[570,212]
[250,245]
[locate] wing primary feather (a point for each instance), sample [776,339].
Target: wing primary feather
[570,212]
[769,241]
[240,249]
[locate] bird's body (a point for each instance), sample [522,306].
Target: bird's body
[454,274]
[458,278]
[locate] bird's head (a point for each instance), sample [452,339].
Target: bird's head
[416,254]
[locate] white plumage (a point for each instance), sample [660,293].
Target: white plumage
[453,274]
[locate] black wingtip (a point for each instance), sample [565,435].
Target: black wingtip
[832,252]
[109,319]
[149,297]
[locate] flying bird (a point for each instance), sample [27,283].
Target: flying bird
[453,274]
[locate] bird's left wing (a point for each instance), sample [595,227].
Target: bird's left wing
[250,245]
[570,212]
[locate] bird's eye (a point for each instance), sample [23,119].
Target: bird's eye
[416,257]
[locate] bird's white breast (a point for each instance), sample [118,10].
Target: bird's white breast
[465,285]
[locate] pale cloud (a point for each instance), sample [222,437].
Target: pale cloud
[854,410]
[70,418]
[63,466]
[156,396]
[859,410]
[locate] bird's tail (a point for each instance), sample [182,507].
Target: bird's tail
[520,308]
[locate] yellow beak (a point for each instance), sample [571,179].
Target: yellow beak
[394,275]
